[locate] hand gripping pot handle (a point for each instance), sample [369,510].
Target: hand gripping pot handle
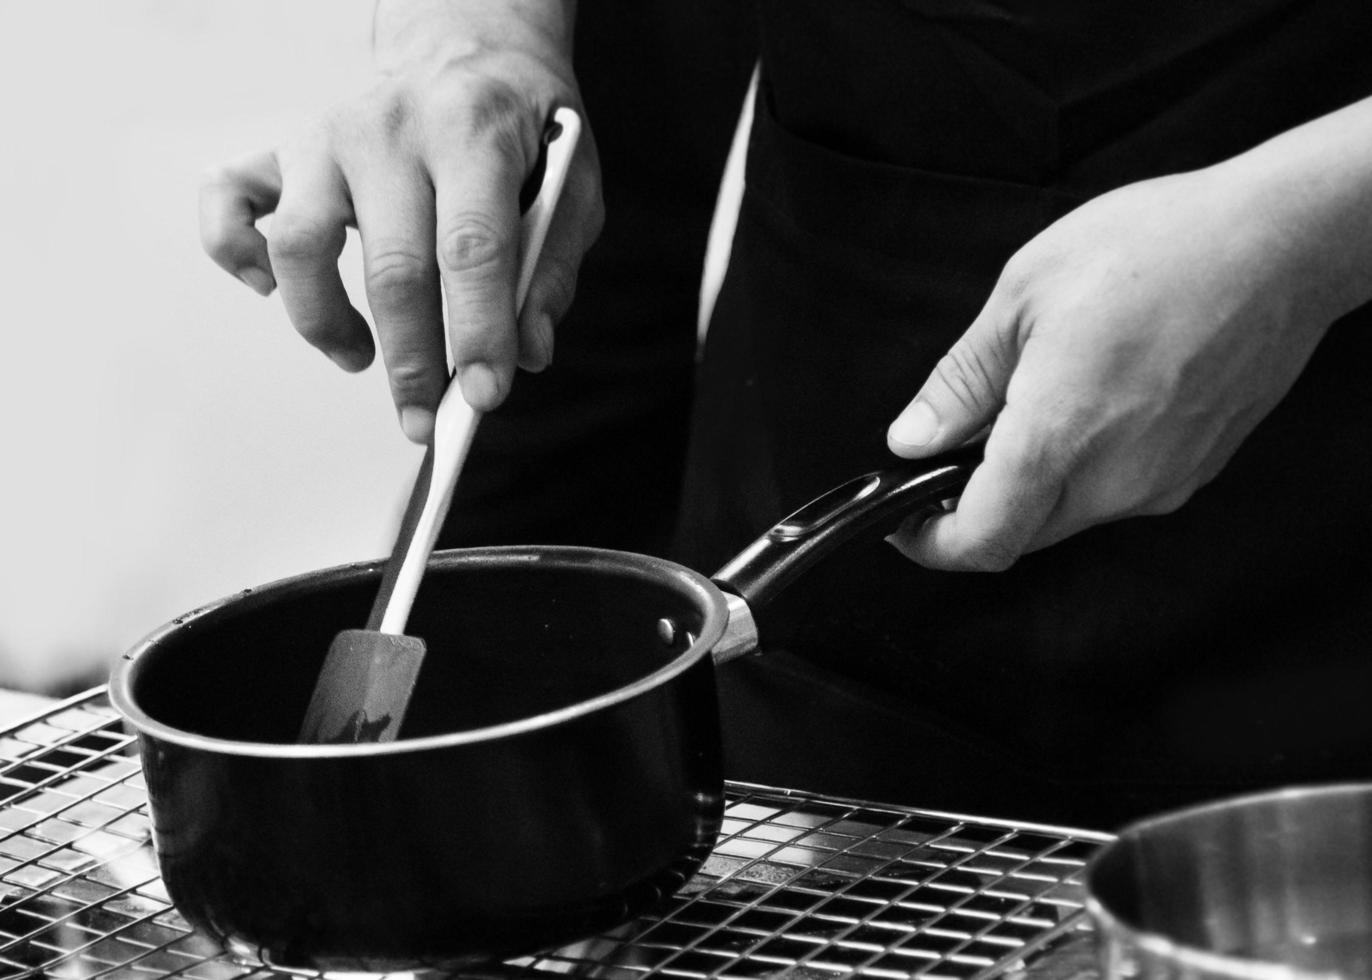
[763,569]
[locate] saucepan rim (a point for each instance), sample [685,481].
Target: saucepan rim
[659,571]
[1111,925]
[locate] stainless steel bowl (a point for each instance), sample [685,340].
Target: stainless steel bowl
[1277,885]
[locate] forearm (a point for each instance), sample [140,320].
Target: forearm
[1309,194]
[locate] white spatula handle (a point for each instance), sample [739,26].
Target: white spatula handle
[455,424]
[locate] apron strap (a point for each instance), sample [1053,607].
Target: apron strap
[721,238]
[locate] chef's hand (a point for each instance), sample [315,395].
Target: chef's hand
[1128,349]
[428,167]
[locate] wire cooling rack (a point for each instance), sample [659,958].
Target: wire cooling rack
[797,887]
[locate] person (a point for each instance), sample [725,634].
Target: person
[1131,246]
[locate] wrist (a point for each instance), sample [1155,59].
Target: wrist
[406,33]
[1306,198]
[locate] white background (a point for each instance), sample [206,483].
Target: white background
[165,437]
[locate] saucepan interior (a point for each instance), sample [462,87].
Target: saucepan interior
[513,635]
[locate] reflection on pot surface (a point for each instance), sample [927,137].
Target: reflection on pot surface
[1277,884]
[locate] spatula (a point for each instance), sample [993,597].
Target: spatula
[369,674]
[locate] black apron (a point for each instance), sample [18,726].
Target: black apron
[902,151]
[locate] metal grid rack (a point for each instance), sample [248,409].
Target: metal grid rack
[797,887]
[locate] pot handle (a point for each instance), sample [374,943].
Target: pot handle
[797,541]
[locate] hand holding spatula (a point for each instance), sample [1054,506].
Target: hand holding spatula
[369,674]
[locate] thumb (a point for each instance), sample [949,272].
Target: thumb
[963,394]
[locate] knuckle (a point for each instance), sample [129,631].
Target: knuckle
[1046,439]
[964,372]
[1042,470]
[1020,453]
[394,275]
[376,122]
[475,106]
[472,243]
[296,238]
[217,232]
[217,243]
[497,111]
[1016,276]
[388,112]
[410,379]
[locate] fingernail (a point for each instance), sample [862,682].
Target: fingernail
[257,280]
[480,386]
[545,339]
[542,342]
[349,359]
[900,541]
[341,358]
[906,537]
[417,423]
[915,427]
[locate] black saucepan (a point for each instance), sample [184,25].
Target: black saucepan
[559,770]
